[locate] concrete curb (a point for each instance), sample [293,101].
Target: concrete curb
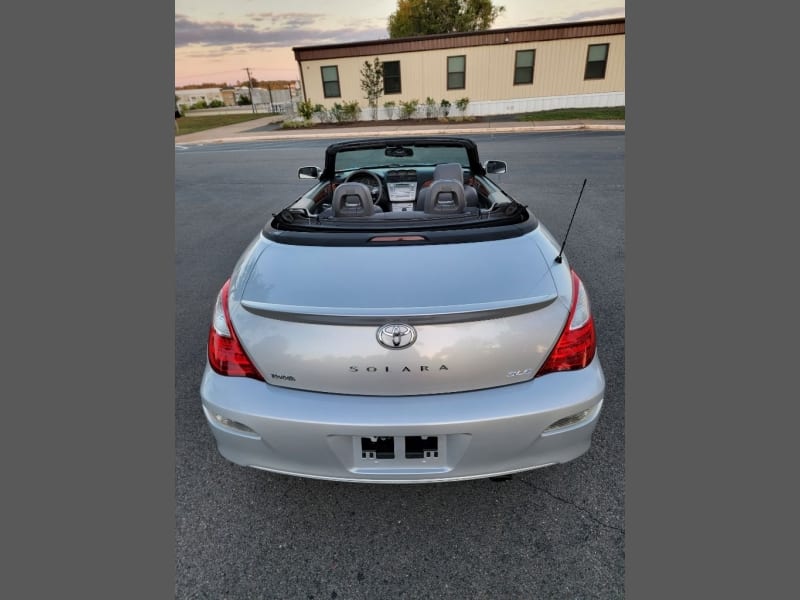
[399,132]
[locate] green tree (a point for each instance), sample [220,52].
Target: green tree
[372,84]
[425,17]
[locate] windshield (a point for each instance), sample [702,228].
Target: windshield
[400,156]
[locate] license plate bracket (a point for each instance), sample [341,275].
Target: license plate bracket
[421,446]
[399,450]
[377,448]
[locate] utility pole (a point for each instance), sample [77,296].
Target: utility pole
[271,105]
[250,87]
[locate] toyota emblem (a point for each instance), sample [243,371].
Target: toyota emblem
[396,336]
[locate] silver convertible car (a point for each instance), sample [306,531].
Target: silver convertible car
[403,321]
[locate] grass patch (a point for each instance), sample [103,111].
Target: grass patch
[616,113]
[195,124]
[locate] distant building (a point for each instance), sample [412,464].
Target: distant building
[501,70]
[229,96]
[190,97]
[279,97]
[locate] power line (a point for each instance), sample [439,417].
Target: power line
[228,72]
[285,74]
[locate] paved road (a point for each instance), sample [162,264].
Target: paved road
[553,533]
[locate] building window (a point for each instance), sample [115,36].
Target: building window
[391,77]
[330,82]
[523,66]
[456,72]
[596,60]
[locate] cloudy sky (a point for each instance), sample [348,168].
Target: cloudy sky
[215,40]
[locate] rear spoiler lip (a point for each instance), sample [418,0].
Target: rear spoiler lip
[409,315]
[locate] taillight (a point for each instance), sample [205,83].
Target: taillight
[576,347]
[225,353]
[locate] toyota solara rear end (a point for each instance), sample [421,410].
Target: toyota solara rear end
[383,328]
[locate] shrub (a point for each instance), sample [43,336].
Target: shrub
[321,113]
[352,110]
[389,107]
[444,106]
[296,124]
[306,109]
[430,107]
[337,112]
[216,104]
[462,104]
[408,108]
[346,112]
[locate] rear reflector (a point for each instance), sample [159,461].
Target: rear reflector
[232,424]
[570,420]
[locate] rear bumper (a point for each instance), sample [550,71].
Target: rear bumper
[479,434]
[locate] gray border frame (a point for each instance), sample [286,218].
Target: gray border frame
[711,485]
[88,247]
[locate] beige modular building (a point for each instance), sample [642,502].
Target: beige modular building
[189,97]
[500,71]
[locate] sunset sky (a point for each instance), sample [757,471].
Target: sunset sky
[215,40]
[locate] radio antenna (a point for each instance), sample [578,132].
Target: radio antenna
[564,243]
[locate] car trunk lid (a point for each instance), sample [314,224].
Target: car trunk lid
[342,319]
